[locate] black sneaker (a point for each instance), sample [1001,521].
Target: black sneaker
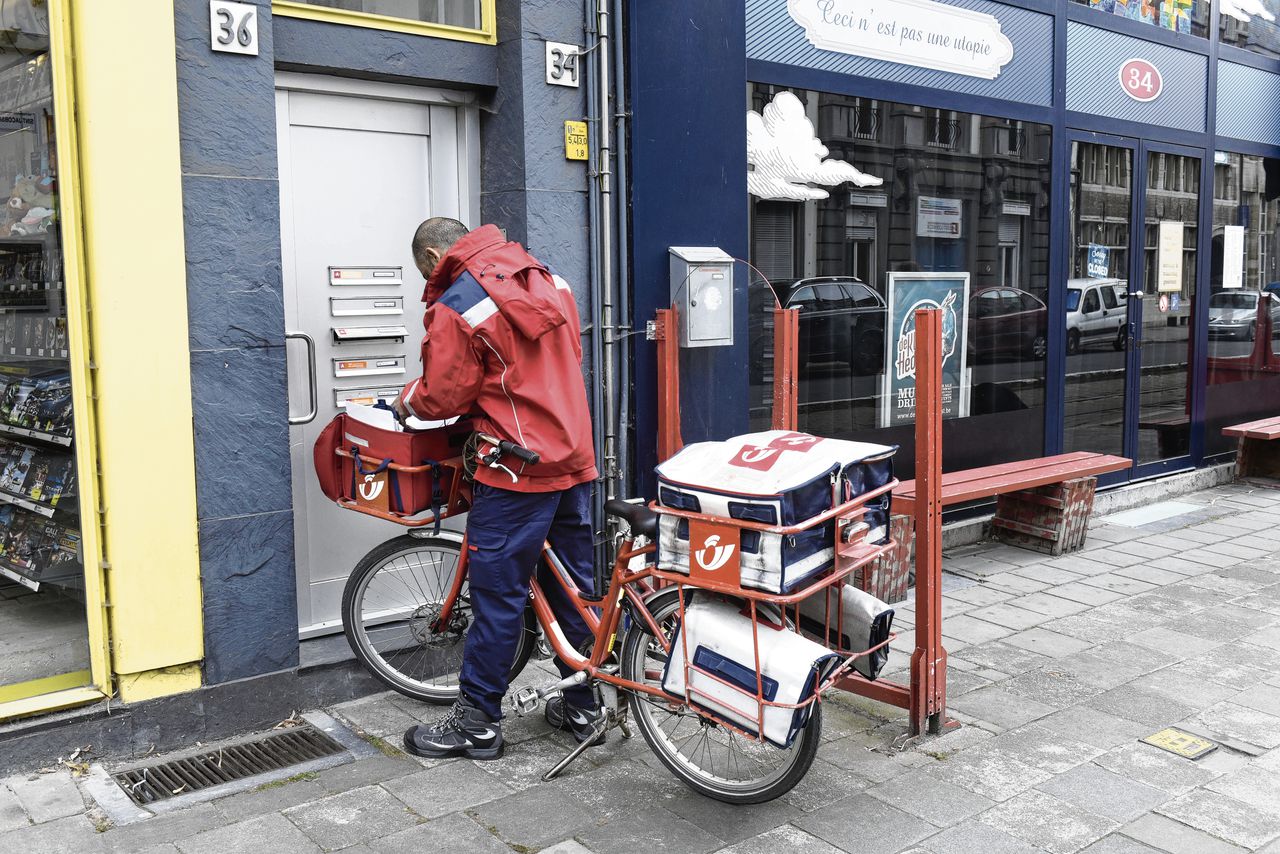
[580,722]
[463,731]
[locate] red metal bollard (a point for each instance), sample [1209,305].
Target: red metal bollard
[929,661]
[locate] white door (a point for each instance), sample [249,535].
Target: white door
[360,166]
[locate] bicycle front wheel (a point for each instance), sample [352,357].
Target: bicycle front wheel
[390,606]
[705,756]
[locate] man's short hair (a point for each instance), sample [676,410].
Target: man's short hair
[438,233]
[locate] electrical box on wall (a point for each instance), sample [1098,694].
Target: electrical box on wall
[702,292]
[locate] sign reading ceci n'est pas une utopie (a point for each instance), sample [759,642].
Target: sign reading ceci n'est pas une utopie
[923,33]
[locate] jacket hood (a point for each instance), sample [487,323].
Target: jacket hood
[518,283]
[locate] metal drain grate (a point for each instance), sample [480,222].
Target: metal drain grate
[262,755]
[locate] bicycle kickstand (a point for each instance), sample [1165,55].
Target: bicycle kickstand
[615,714]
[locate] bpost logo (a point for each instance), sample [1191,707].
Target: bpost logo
[795,442]
[755,457]
[712,556]
[371,488]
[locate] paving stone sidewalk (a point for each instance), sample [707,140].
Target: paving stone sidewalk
[1058,666]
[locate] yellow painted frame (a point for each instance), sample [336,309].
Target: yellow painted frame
[119,163]
[58,692]
[487,34]
[130,172]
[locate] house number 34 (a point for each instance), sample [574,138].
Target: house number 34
[233,27]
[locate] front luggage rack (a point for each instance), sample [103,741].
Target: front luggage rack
[457,502]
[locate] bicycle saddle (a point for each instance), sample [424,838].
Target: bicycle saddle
[642,520]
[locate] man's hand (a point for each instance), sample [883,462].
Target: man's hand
[402,411]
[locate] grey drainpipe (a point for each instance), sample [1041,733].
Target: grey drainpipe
[621,208]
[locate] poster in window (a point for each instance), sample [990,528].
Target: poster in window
[1233,256]
[1169,258]
[1099,261]
[939,218]
[906,293]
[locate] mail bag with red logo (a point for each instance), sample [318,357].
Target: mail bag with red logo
[776,478]
[366,476]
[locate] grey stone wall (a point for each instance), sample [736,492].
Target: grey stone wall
[240,396]
[313,46]
[529,188]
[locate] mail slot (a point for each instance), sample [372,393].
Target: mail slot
[351,334]
[365,306]
[349,276]
[368,366]
[364,396]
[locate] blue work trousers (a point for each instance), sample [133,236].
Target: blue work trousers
[505,534]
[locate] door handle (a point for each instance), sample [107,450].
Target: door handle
[311,379]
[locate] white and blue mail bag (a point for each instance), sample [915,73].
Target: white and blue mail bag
[853,620]
[776,477]
[717,634]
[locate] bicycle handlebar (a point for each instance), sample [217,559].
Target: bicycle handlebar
[518,451]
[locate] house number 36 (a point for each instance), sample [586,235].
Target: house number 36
[233,27]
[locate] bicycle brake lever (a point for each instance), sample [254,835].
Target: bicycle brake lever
[497,465]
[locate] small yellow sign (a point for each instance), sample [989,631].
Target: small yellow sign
[1182,743]
[575,141]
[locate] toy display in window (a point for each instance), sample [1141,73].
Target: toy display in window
[17,468]
[37,403]
[31,207]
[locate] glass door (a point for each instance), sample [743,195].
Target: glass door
[1164,305]
[1103,206]
[1130,302]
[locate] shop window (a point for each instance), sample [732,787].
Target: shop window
[1253,26]
[461,14]
[1244,297]
[1180,16]
[43,627]
[963,195]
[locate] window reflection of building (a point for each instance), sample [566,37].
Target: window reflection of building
[989,179]
[1256,34]
[1243,374]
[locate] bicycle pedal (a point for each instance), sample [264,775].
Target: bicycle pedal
[525,701]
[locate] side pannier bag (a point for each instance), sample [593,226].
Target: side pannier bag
[854,620]
[719,640]
[774,478]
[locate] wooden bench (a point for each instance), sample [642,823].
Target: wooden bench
[1042,504]
[1173,434]
[1258,456]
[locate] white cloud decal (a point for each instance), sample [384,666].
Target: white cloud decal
[787,159]
[1244,10]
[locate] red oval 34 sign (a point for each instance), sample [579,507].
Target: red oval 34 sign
[1141,80]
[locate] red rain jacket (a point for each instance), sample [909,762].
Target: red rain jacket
[503,340]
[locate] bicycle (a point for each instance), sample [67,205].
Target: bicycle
[406,615]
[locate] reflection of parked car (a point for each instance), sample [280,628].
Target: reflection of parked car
[1096,311]
[841,320]
[1007,320]
[1234,314]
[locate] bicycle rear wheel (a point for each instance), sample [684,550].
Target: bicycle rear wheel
[390,605]
[708,758]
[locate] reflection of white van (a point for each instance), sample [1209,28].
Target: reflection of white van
[1096,311]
